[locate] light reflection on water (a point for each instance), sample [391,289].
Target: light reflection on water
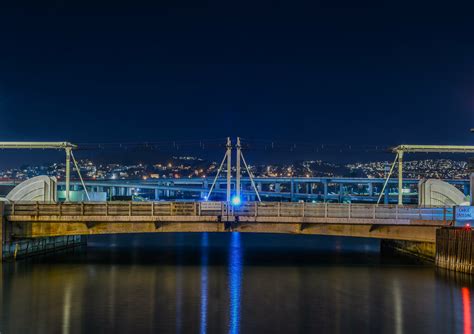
[215,283]
[204,281]
[235,276]
[179,289]
[466,301]
[398,306]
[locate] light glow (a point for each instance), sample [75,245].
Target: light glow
[236,201]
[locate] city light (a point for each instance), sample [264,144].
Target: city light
[427,168]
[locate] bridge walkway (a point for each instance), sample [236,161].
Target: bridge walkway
[30,220]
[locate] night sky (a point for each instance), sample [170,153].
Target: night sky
[318,72]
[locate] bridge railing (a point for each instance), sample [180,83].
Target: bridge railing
[248,209]
[349,211]
[102,209]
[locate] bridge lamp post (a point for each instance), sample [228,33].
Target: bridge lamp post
[237,176]
[68,173]
[400,177]
[229,169]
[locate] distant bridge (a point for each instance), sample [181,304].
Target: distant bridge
[323,189]
[36,220]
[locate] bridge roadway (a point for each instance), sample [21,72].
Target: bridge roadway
[31,220]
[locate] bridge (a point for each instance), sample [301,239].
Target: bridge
[39,220]
[25,223]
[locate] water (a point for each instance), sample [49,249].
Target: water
[231,283]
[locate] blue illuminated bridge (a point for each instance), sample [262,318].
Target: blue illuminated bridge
[318,189]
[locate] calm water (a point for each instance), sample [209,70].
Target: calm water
[231,283]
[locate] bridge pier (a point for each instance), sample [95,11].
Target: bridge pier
[425,251]
[20,248]
[455,249]
[452,250]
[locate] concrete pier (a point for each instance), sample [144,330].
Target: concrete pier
[11,249]
[36,246]
[455,249]
[425,251]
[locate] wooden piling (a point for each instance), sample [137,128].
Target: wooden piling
[455,249]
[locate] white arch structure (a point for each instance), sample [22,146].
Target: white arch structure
[435,192]
[38,189]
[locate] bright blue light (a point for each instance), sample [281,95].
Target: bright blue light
[236,201]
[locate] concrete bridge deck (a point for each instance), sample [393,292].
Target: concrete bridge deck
[32,220]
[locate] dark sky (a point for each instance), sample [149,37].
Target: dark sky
[353,72]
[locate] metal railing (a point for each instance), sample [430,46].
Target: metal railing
[249,209]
